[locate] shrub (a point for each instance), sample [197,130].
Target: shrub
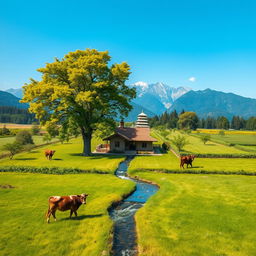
[165,146]
[47,138]
[5,131]
[205,138]
[180,142]
[24,137]
[13,148]
[35,129]
[222,133]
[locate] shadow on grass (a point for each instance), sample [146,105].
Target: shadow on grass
[57,159]
[82,217]
[26,158]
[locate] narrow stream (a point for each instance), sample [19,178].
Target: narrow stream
[125,237]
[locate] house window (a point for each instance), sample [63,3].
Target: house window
[117,144]
[144,144]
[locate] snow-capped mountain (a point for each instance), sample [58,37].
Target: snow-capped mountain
[157,97]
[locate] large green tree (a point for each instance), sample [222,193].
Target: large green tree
[188,120]
[84,87]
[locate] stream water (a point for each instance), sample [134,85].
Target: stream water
[125,237]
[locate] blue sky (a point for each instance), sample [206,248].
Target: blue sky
[195,43]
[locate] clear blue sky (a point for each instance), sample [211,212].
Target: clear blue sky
[195,43]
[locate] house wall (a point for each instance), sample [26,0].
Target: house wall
[114,148]
[149,146]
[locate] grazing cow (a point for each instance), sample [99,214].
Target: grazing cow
[49,153]
[186,160]
[64,203]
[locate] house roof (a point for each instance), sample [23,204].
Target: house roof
[133,134]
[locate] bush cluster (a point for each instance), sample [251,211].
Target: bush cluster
[47,170]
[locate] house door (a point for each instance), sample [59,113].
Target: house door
[130,145]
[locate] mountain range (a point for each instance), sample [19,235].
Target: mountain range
[156,98]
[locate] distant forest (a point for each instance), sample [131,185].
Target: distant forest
[15,115]
[171,120]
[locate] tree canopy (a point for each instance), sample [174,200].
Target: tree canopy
[83,87]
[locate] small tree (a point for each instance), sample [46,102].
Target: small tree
[35,129]
[5,131]
[47,138]
[221,133]
[13,148]
[24,137]
[180,142]
[52,128]
[205,138]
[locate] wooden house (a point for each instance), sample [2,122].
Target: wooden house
[132,139]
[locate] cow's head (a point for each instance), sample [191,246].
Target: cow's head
[192,157]
[83,198]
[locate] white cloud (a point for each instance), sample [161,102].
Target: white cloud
[192,79]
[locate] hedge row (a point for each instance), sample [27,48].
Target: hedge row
[221,155]
[190,171]
[47,170]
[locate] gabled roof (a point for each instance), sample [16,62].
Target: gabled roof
[133,134]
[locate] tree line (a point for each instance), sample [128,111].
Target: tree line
[9,114]
[190,120]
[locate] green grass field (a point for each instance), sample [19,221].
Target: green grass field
[169,162]
[68,155]
[199,215]
[240,139]
[196,146]
[38,140]
[24,230]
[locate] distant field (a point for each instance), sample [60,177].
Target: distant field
[24,230]
[198,215]
[241,139]
[16,126]
[216,131]
[196,146]
[170,163]
[68,155]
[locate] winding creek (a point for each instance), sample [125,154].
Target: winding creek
[125,237]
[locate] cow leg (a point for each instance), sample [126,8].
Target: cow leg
[53,214]
[71,212]
[48,215]
[75,213]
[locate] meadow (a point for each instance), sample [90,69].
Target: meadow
[170,163]
[24,230]
[196,145]
[198,215]
[67,155]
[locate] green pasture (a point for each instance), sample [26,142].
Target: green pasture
[240,139]
[67,155]
[24,230]
[170,163]
[199,215]
[196,146]
[38,140]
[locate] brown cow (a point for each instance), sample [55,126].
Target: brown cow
[64,203]
[186,160]
[49,153]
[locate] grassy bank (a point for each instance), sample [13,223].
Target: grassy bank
[170,163]
[22,209]
[68,155]
[198,215]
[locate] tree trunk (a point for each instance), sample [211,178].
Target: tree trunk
[87,137]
